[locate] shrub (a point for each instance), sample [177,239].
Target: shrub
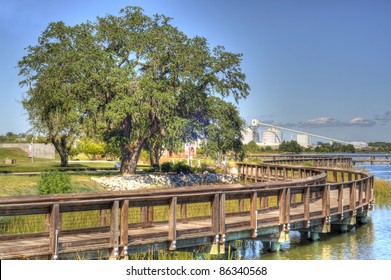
[167,167]
[54,182]
[182,167]
[309,163]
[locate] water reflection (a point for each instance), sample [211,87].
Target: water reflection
[371,241]
[368,242]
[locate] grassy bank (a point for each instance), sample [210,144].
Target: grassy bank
[26,164]
[27,184]
[382,192]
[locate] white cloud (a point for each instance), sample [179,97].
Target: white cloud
[331,122]
[320,122]
[359,121]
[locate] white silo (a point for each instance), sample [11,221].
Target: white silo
[271,137]
[250,134]
[247,135]
[303,140]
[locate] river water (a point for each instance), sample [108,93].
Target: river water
[371,241]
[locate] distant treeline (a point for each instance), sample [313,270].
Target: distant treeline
[11,137]
[380,146]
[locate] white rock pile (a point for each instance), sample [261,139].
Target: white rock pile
[132,182]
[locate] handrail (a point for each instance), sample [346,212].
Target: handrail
[320,196]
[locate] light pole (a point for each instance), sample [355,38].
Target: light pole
[32,148]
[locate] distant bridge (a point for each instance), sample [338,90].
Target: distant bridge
[322,159]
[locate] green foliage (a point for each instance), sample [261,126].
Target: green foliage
[167,167]
[54,182]
[380,146]
[223,132]
[334,148]
[290,147]
[57,79]
[181,167]
[91,148]
[251,148]
[134,79]
[309,163]
[382,192]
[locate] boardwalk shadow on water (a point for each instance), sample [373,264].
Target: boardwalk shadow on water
[370,241]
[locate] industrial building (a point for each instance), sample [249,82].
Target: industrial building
[250,134]
[303,140]
[271,137]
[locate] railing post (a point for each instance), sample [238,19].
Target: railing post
[254,215]
[147,215]
[372,186]
[335,176]
[103,217]
[54,222]
[326,208]
[284,227]
[340,201]
[124,231]
[353,198]
[184,212]
[287,208]
[264,203]
[353,202]
[360,193]
[222,218]
[214,206]
[114,229]
[172,234]
[367,191]
[269,175]
[306,200]
[281,205]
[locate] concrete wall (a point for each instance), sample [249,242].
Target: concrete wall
[40,150]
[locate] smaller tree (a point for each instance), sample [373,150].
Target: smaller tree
[251,148]
[290,147]
[91,148]
[223,134]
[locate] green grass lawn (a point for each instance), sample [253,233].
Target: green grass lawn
[27,184]
[26,164]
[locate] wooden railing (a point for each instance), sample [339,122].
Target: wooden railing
[335,161]
[275,200]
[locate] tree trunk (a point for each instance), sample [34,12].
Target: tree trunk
[62,149]
[151,158]
[130,157]
[131,151]
[64,159]
[157,155]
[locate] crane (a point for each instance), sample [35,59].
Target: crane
[256,123]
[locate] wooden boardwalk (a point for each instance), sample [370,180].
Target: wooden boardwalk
[278,199]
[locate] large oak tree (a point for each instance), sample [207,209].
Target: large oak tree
[133,73]
[57,78]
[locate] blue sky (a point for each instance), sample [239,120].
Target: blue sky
[322,67]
